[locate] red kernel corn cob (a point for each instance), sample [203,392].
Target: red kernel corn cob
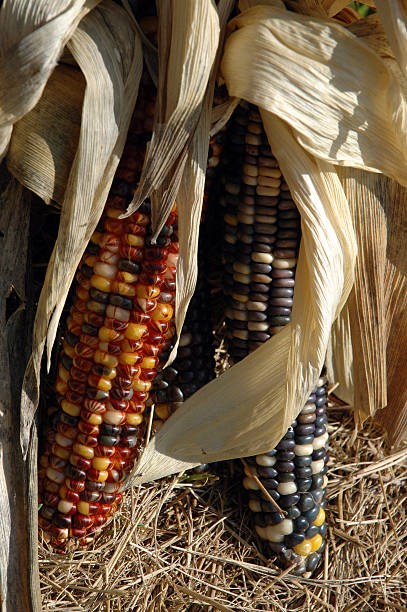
[117,326]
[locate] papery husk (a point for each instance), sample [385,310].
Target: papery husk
[394,20]
[248,409]
[344,105]
[370,30]
[191,191]
[32,36]
[107,49]
[339,356]
[188,41]
[366,355]
[45,140]
[394,416]
[367,304]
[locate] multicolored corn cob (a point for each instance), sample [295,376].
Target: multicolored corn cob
[194,364]
[261,240]
[118,325]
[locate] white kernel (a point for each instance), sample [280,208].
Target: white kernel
[320,441]
[250,484]
[284,264]
[303,450]
[317,466]
[287,488]
[241,268]
[262,257]
[273,535]
[265,460]
[244,279]
[285,526]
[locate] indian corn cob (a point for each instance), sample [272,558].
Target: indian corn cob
[118,325]
[261,239]
[194,364]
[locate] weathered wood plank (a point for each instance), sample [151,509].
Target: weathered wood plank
[19,588]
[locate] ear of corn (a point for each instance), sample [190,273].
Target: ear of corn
[118,325]
[261,240]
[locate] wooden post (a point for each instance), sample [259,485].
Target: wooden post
[19,579]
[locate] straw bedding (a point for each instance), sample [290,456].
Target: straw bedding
[181,546]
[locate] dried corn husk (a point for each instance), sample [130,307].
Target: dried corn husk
[394,20]
[349,117]
[107,48]
[32,36]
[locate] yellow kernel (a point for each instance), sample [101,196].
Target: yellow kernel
[320,518]
[83,508]
[105,359]
[68,349]
[231,220]
[135,331]
[101,463]
[109,335]
[162,411]
[142,385]
[162,312]
[129,358]
[148,363]
[269,181]
[316,542]
[304,548]
[250,170]
[134,418]
[93,418]
[83,451]
[70,408]
[127,277]
[261,190]
[123,289]
[149,292]
[134,240]
[100,283]
[63,373]
[61,387]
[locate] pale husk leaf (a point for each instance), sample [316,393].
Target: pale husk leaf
[32,36]
[370,30]
[216,422]
[366,305]
[394,416]
[344,105]
[40,157]
[394,20]
[188,40]
[107,48]
[191,192]
[339,356]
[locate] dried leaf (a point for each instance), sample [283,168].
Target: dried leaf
[107,48]
[394,20]
[188,40]
[40,157]
[32,36]
[367,306]
[344,105]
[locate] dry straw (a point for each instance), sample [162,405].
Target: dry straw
[189,546]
